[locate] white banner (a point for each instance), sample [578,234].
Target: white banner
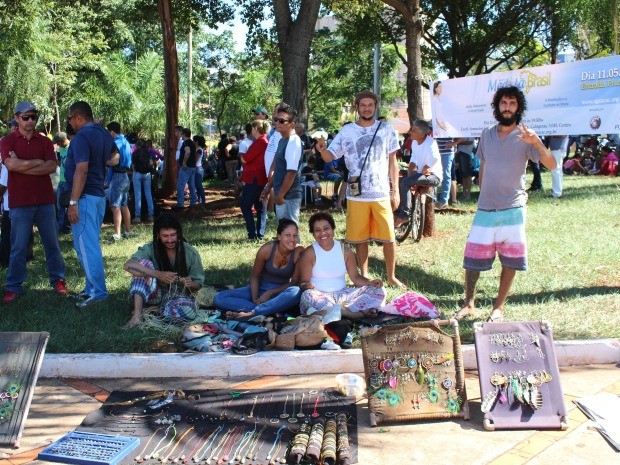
[582,97]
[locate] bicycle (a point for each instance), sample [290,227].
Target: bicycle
[417,213]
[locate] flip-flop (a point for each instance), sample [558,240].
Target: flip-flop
[496,316]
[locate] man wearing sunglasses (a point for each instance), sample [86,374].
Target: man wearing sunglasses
[29,157]
[285,172]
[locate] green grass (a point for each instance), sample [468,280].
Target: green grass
[573,279]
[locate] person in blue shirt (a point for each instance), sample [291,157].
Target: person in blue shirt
[119,184]
[90,152]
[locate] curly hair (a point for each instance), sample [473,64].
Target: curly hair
[321,216]
[509,91]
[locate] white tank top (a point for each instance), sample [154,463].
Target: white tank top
[328,274]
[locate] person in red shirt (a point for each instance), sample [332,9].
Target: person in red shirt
[29,158]
[254,180]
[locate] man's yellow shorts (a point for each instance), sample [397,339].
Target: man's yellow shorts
[369,221]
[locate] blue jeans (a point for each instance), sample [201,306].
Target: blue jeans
[186,177]
[22,219]
[63,221]
[250,197]
[289,209]
[240,300]
[446,170]
[200,189]
[140,180]
[119,190]
[405,185]
[86,244]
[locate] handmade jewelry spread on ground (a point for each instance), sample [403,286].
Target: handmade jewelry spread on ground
[20,358]
[414,371]
[258,427]
[519,377]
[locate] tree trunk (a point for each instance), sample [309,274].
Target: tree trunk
[410,9]
[294,41]
[171,97]
[413,31]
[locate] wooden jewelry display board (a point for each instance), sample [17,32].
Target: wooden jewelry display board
[519,376]
[415,372]
[21,355]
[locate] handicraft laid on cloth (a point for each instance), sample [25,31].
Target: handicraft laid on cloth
[415,372]
[519,376]
[21,355]
[222,427]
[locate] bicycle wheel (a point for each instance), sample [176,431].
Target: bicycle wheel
[403,230]
[417,218]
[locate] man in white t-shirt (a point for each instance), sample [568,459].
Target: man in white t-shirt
[369,149]
[424,167]
[286,166]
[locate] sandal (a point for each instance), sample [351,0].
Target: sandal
[496,316]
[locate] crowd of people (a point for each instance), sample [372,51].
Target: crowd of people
[274,168]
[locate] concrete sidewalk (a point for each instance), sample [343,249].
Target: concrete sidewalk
[59,406]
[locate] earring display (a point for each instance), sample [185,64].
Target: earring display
[519,376]
[21,355]
[264,427]
[415,372]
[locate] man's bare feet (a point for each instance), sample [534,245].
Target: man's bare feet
[467,310]
[238,315]
[396,283]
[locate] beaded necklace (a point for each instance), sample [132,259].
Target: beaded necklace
[156,450]
[213,436]
[249,453]
[225,451]
[165,459]
[278,435]
[215,450]
[139,458]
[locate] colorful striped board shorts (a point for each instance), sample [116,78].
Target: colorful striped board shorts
[501,232]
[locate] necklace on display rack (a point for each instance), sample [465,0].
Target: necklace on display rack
[293,418]
[284,415]
[301,413]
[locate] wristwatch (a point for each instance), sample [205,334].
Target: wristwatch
[73,203]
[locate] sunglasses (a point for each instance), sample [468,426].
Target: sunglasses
[281,120]
[29,117]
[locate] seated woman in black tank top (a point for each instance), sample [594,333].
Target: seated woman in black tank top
[274,280]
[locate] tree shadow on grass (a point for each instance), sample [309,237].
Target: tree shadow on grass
[416,277]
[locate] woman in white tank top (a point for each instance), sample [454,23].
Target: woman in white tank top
[323,267]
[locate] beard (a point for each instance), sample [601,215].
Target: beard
[367,118]
[508,121]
